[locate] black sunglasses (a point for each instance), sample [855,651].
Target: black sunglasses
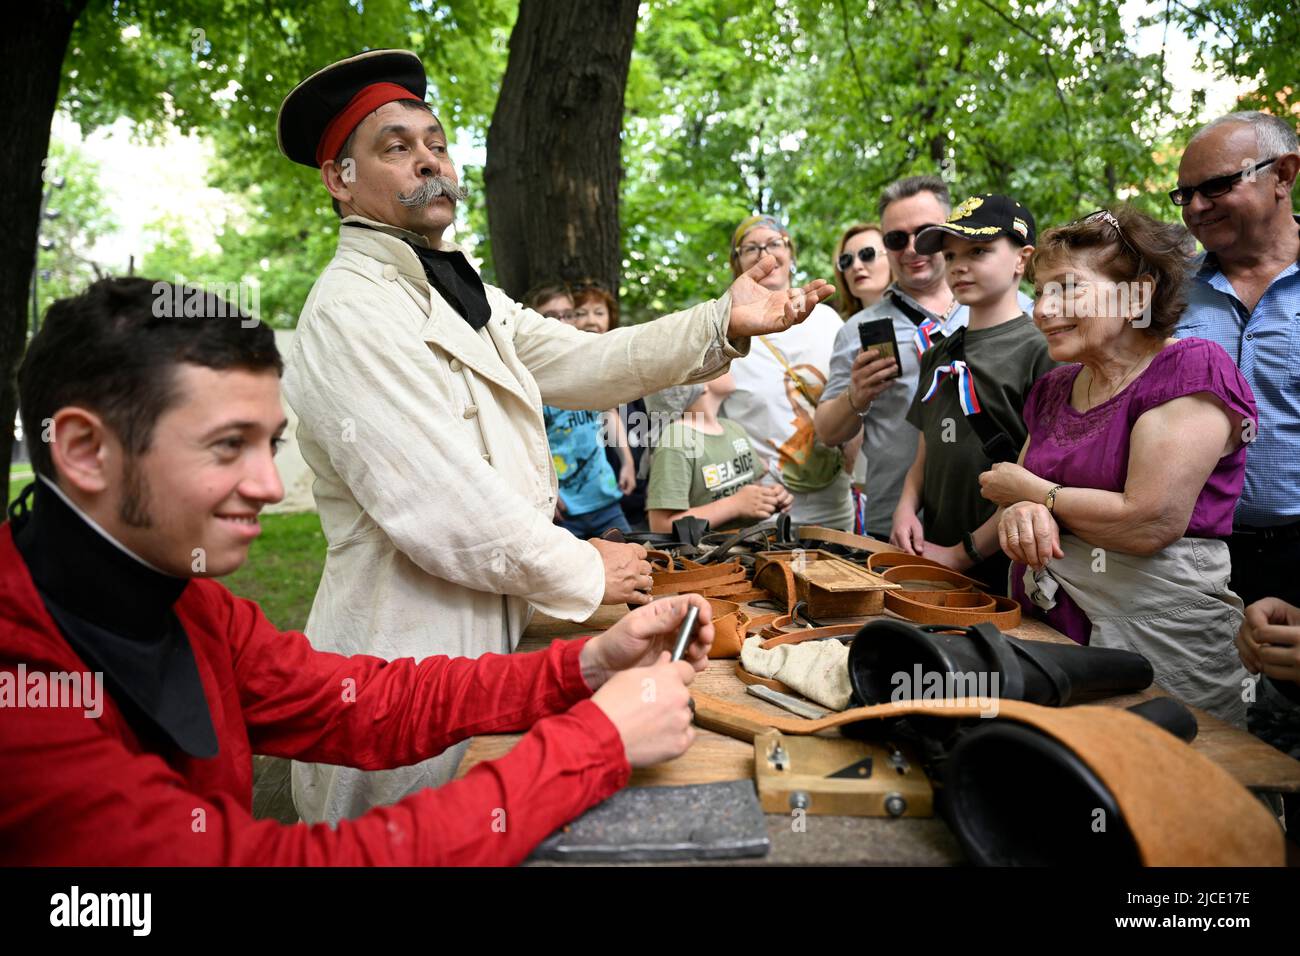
[865,254]
[1216,187]
[896,240]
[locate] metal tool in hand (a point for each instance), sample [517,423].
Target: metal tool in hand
[684,635]
[684,639]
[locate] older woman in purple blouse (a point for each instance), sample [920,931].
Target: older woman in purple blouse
[1125,489]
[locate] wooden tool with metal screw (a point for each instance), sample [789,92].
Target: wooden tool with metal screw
[840,777]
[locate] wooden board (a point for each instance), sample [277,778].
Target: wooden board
[714,757]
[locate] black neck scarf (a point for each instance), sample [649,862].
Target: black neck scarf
[455,280]
[116,613]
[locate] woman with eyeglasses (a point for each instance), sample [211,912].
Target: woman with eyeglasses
[861,269]
[780,382]
[1116,513]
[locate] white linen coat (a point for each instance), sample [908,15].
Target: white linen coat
[434,478]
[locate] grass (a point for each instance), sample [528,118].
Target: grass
[283,567]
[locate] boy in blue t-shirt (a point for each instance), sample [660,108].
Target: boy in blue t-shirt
[589,493]
[588,489]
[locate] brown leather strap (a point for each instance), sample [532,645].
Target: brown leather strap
[759,621]
[699,580]
[883,561]
[814,532]
[928,577]
[775,638]
[954,607]
[745,677]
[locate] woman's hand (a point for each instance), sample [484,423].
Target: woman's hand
[1006,483]
[642,635]
[1029,534]
[1269,639]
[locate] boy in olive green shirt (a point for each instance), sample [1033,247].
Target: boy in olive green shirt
[703,465]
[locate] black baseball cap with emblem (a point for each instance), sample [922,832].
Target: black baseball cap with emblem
[320,113]
[980,219]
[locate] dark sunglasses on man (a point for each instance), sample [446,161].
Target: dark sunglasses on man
[896,240]
[1215,187]
[866,255]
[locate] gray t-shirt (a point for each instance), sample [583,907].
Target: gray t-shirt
[889,445]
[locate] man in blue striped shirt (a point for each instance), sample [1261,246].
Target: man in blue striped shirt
[1234,187]
[1246,296]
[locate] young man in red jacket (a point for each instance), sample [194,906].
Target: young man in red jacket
[134,690]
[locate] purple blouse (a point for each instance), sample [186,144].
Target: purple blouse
[1090,449]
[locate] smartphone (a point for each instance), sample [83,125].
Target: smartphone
[878,334]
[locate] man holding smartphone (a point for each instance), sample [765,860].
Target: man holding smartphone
[871,391]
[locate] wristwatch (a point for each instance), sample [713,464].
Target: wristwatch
[968,542]
[1050,500]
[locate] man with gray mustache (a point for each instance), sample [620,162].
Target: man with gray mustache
[419,394]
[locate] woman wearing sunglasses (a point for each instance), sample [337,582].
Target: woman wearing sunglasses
[1135,459]
[861,269]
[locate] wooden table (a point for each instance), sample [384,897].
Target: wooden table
[866,840]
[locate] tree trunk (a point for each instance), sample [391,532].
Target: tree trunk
[32,47]
[553,162]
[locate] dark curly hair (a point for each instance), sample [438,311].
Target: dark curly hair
[1130,246]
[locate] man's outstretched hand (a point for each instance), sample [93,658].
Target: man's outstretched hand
[759,311]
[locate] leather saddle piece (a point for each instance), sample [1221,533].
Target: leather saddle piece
[1148,771]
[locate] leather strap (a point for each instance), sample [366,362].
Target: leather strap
[775,638]
[745,677]
[884,560]
[1012,677]
[959,608]
[699,580]
[815,532]
[930,574]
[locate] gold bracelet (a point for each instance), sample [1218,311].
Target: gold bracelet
[848,393]
[1050,500]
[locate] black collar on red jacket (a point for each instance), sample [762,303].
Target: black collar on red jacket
[117,613]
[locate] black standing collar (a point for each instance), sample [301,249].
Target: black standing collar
[117,613]
[455,279]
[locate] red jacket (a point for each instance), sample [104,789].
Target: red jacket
[76,790]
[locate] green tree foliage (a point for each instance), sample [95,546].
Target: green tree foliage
[800,108]
[806,109]
[1253,41]
[77,218]
[222,67]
